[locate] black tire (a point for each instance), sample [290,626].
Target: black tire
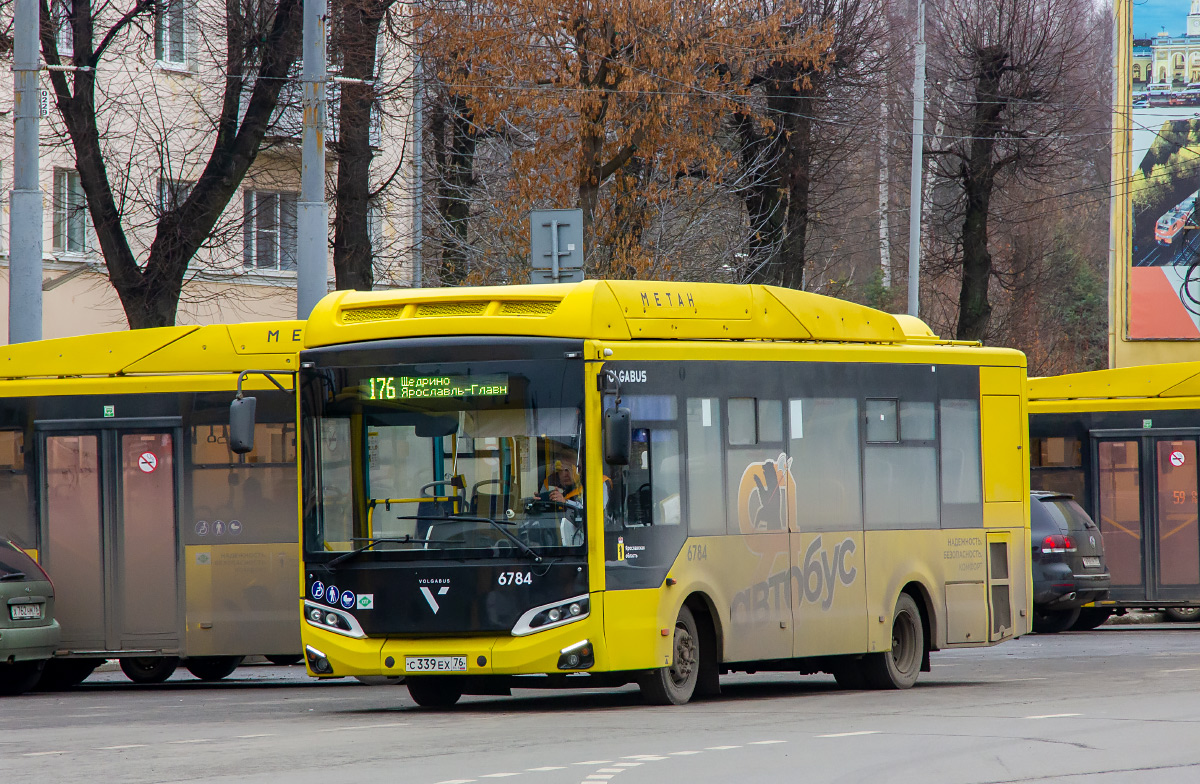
[286,660]
[212,668]
[899,667]
[1090,618]
[62,674]
[434,691]
[1182,614]
[19,677]
[1054,622]
[675,684]
[149,669]
[849,675]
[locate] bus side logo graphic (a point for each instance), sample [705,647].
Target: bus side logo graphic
[763,494]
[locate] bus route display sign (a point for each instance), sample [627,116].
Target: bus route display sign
[419,387]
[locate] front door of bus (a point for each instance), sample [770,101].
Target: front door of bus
[1147,500]
[108,501]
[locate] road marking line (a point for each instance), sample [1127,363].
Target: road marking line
[765,742]
[592,762]
[721,748]
[1055,716]
[849,734]
[682,753]
[261,735]
[546,768]
[457,781]
[1018,680]
[193,740]
[366,727]
[627,764]
[498,775]
[611,770]
[41,753]
[126,746]
[1183,669]
[644,757]
[599,777]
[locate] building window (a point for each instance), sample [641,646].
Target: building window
[269,230]
[170,32]
[172,194]
[64,36]
[70,213]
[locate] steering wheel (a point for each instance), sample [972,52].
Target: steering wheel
[535,506]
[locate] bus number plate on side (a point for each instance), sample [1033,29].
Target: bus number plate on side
[435,663]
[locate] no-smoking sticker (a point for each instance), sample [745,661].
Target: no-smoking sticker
[147,462]
[1177,458]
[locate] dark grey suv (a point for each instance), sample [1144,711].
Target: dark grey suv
[1069,569]
[28,632]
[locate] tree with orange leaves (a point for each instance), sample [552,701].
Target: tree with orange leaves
[617,107]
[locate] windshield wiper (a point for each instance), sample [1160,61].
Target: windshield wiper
[497,524]
[13,576]
[406,539]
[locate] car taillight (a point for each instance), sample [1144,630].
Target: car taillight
[1057,543]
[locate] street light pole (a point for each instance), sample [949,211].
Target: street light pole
[914,190]
[25,217]
[312,230]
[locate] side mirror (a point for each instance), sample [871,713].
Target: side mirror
[618,436]
[241,425]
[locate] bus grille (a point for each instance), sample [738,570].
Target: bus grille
[523,308]
[378,313]
[434,309]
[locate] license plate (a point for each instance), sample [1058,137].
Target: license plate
[1091,562]
[24,612]
[435,663]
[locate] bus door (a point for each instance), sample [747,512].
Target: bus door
[108,515]
[1146,502]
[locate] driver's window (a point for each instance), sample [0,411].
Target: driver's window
[650,490]
[400,464]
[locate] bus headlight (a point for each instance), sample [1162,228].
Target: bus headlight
[549,616]
[332,620]
[579,656]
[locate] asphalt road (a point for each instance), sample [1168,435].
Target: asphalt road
[1115,705]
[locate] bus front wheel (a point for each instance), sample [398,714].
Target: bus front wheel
[149,669]
[434,691]
[674,685]
[212,668]
[899,667]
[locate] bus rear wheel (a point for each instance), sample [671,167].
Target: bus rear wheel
[675,685]
[1183,614]
[62,674]
[19,677]
[434,691]
[899,667]
[213,668]
[149,669]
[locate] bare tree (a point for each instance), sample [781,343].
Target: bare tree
[253,55]
[1009,74]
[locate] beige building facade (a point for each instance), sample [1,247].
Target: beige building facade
[158,98]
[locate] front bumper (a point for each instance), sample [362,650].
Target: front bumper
[29,643]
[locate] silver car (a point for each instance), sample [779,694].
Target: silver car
[28,632]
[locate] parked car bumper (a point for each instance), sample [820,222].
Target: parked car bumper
[29,643]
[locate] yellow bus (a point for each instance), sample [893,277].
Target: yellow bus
[1123,442]
[164,546]
[615,482]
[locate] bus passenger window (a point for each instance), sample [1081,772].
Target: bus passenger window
[824,448]
[916,421]
[882,424]
[962,494]
[652,481]
[706,498]
[770,421]
[743,424]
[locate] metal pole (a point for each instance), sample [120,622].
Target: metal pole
[914,190]
[25,218]
[554,273]
[312,228]
[418,273]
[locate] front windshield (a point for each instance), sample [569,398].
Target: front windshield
[434,460]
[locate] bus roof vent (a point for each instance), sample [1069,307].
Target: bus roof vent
[531,307]
[380,313]
[435,309]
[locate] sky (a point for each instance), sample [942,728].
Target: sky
[1151,16]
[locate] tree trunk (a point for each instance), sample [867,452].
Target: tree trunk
[150,293]
[979,172]
[454,155]
[352,252]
